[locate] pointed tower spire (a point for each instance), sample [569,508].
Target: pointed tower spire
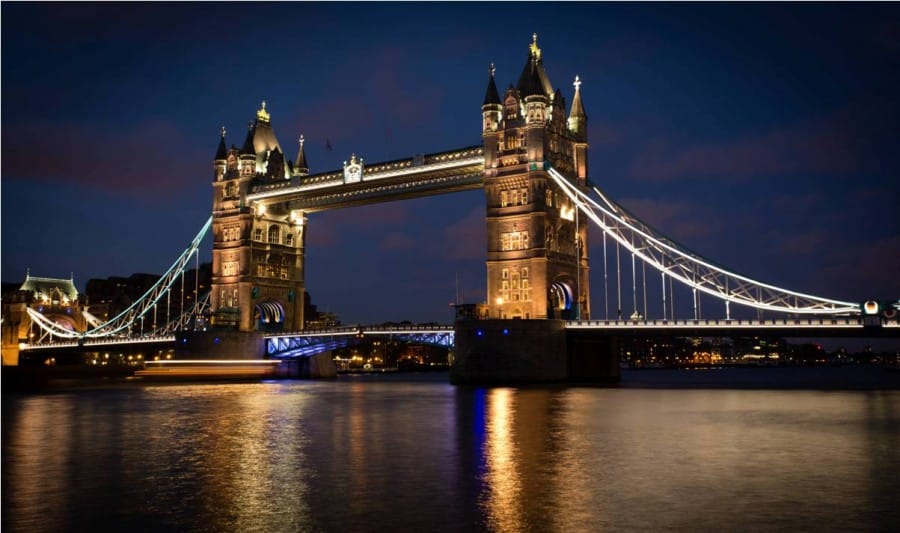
[577,117]
[222,151]
[248,143]
[301,167]
[491,96]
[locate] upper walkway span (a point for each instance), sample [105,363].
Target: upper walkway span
[413,177]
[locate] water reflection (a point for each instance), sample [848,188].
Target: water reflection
[362,454]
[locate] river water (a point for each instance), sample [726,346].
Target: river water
[412,453]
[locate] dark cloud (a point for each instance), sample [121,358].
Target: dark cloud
[150,159]
[838,143]
[465,238]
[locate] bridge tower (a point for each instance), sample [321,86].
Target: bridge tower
[257,277]
[537,260]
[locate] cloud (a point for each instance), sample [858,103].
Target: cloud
[681,221]
[392,99]
[396,241]
[331,228]
[844,141]
[804,243]
[862,270]
[465,239]
[148,159]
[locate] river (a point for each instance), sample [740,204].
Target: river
[666,450]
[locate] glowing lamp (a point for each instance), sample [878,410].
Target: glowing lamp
[870,307]
[499,301]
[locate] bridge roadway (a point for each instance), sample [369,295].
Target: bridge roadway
[443,334]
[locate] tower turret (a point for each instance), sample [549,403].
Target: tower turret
[221,156]
[577,118]
[248,153]
[491,109]
[301,167]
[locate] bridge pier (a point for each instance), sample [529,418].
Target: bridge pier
[237,346]
[514,351]
[220,344]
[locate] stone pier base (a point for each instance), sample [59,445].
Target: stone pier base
[320,366]
[219,344]
[529,351]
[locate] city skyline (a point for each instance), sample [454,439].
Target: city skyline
[762,137]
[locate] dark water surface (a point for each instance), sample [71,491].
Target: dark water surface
[412,453]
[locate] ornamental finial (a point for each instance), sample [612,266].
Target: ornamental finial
[492,69]
[223,132]
[301,140]
[535,51]
[577,83]
[262,115]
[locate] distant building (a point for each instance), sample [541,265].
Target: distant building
[56,299]
[106,298]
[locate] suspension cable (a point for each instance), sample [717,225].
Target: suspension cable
[618,223]
[618,283]
[644,275]
[605,280]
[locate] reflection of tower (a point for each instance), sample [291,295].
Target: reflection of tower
[257,278]
[537,264]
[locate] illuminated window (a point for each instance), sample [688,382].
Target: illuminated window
[524,196]
[229,268]
[274,234]
[514,240]
[504,199]
[504,273]
[258,234]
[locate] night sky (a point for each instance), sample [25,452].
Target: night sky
[765,137]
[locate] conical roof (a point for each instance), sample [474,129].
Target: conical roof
[577,108]
[534,80]
[300,164]
[491,96]
[222,151]
[248,149]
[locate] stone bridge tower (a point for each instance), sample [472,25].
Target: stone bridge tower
[537,261]
[257,276]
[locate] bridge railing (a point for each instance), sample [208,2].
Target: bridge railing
[729,323]
[97,341]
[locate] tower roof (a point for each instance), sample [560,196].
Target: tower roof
[534,80]
[263,135]
[300,164]
[248,142]
[491,96]
[222,151]
[577,108]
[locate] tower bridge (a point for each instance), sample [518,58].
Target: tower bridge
[540,204]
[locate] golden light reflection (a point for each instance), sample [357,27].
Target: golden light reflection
[502,476]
